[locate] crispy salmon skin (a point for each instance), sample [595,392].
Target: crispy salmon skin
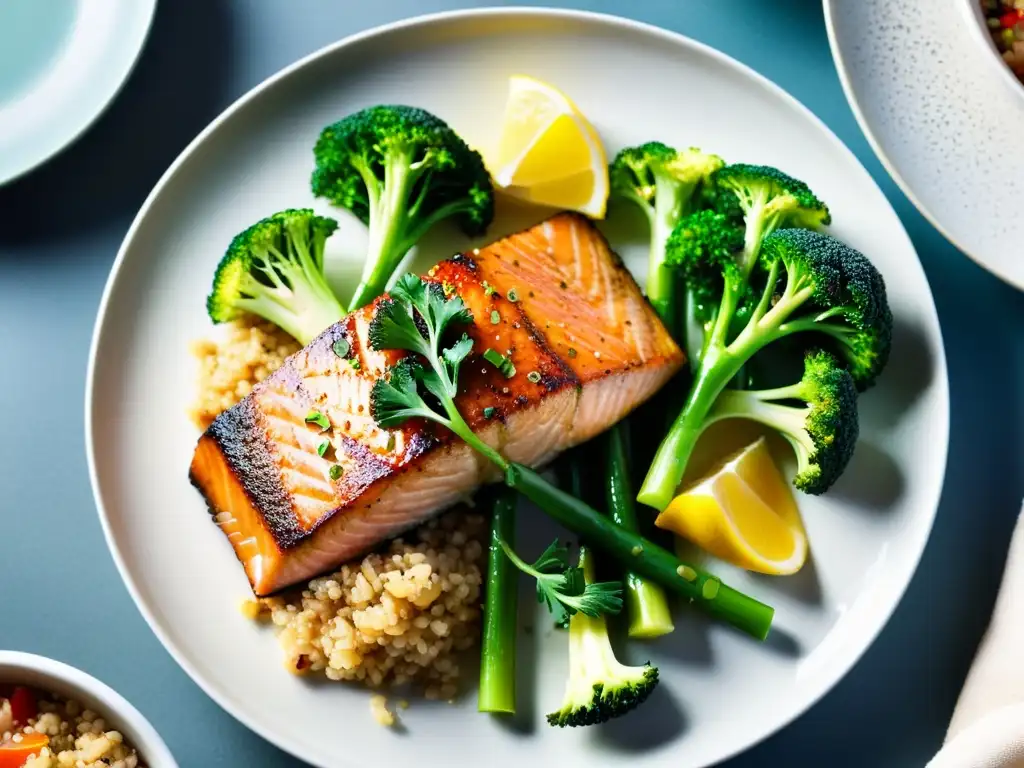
[299,476]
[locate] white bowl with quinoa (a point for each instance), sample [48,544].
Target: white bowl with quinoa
[86,723]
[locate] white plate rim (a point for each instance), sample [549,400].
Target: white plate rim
[426,20]
[101,103]
[829,7]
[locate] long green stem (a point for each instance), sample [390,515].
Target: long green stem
[498,649]
[459,426]
[646,604]
[643,556]
[661,280]
[388,222]
[666,472]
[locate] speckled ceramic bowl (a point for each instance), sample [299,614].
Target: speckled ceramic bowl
[976,23]
[944,124]
[49,675]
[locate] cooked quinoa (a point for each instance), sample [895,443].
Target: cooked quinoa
[77,736]
[249,351]
[397,616]
[400,615]
[1006,22]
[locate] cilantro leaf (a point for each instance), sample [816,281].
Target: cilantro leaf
[414,319]
[393,327]
[452,358]
[397,399]
[563,588]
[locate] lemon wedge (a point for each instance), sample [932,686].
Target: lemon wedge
[744,513]
[549,153]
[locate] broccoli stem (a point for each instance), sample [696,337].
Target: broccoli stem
[719,365]
[649,614]
[717,368]
[498,650]
[389,222]
[661,279]
[643,556]
[759,406]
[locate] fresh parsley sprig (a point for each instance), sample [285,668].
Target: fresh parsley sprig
[563,588]
[415,318]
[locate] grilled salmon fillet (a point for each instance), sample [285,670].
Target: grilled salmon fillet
[587,349]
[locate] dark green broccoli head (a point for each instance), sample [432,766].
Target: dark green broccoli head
[703,247]
[848,301]
[790,201]
[822,429]
[831,422]
[639,173]
[373,148]
[274,269]
[722,200]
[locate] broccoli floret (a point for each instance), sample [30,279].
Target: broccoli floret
[703,247]
[664,183]
[769,200]
[831,293]
[275,269]
[823,431]
[848,299]
[400,170]
[600,687]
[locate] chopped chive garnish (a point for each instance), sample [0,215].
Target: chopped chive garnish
[315,417]
[391,442]
[356,365]
[488,289]
[572,352]
[512,295]
[322,448]
[488,412]
[335,471]
[533,376]
[636,551]
[500,362]
[495,317]
[341,348]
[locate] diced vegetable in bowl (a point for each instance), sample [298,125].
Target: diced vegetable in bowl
[54,716]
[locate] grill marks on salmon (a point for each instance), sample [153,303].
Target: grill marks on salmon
[555,299]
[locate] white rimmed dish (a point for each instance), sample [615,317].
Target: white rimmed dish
[944,115]
[61,63]
[52,676]
[720,692]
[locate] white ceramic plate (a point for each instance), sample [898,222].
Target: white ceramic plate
[722,692]
[945,122]
[61,63]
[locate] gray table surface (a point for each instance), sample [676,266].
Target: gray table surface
[60,228]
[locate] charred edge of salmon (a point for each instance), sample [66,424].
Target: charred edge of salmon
[239,436]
